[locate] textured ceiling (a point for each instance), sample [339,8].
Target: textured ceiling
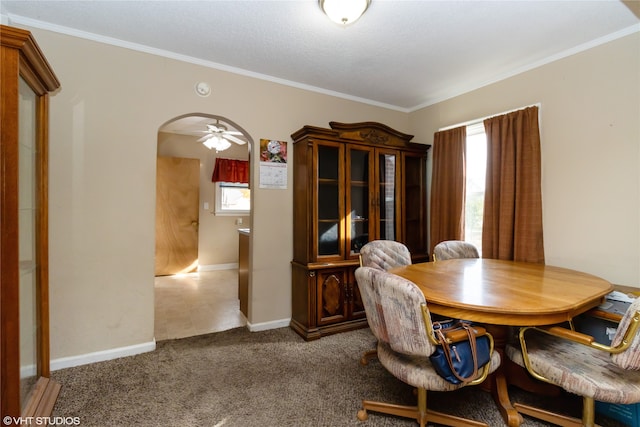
[401,54]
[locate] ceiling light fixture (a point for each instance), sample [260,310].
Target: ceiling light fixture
[344,12]
[217,142]
[219,137]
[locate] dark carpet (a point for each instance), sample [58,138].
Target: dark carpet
[238,378]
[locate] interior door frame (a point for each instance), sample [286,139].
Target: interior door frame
[250,145]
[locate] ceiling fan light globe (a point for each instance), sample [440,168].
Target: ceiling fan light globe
[217,142]
[344,11]
[219,137]
[223,144]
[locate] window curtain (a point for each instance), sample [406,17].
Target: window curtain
[512,220]
[231,170]
[448,185]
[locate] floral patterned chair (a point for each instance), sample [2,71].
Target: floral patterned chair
[450,249]
[383,255]
[373,309]
[399,318]
[580,365]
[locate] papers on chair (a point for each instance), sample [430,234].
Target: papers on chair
[619,296]
[616,302]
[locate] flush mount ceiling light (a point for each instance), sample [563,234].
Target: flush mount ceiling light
[344,12]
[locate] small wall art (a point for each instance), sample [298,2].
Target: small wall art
[273,164]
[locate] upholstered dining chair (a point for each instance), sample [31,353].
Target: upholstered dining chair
[582,366]
[405,341]
[450,249]
[373,309]
[383,255]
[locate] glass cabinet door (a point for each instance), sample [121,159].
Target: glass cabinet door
[415,202]
[361,226]
[27,229]
[329,201]
[387,199]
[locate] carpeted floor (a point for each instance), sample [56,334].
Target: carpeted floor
[237,378]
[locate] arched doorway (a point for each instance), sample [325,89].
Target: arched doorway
[180,141]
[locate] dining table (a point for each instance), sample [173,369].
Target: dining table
[503,294]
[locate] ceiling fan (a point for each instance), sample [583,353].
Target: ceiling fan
[219,137]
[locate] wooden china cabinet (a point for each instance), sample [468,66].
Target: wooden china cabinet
[353,183]
[26,79]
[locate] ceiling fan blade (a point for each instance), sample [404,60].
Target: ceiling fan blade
[187,132]
[204,138]
[216,127]
[232,132]
[234,139]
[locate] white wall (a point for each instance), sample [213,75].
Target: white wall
[590,137]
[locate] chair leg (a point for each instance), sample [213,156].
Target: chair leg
[386,408]
[548,416]
[420,413]
[422,407]
[368,355]
[588,412]
[427,415]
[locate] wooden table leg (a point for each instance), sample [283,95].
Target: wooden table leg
[500,394]
[498,380]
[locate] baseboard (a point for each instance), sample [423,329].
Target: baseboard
[213,267]
[115,353]
[275,324]
[101,356]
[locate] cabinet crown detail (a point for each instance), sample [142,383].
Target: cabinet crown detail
[366,132]
[373,132]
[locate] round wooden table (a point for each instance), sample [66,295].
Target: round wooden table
[502,294]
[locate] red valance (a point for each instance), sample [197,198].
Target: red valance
[231,170]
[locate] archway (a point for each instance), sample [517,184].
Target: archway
[181,137]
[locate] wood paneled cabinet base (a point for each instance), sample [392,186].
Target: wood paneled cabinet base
[326,300]
[352,184]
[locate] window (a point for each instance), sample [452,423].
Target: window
[232,199]
[476,163]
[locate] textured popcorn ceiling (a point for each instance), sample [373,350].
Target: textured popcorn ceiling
[400,54]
